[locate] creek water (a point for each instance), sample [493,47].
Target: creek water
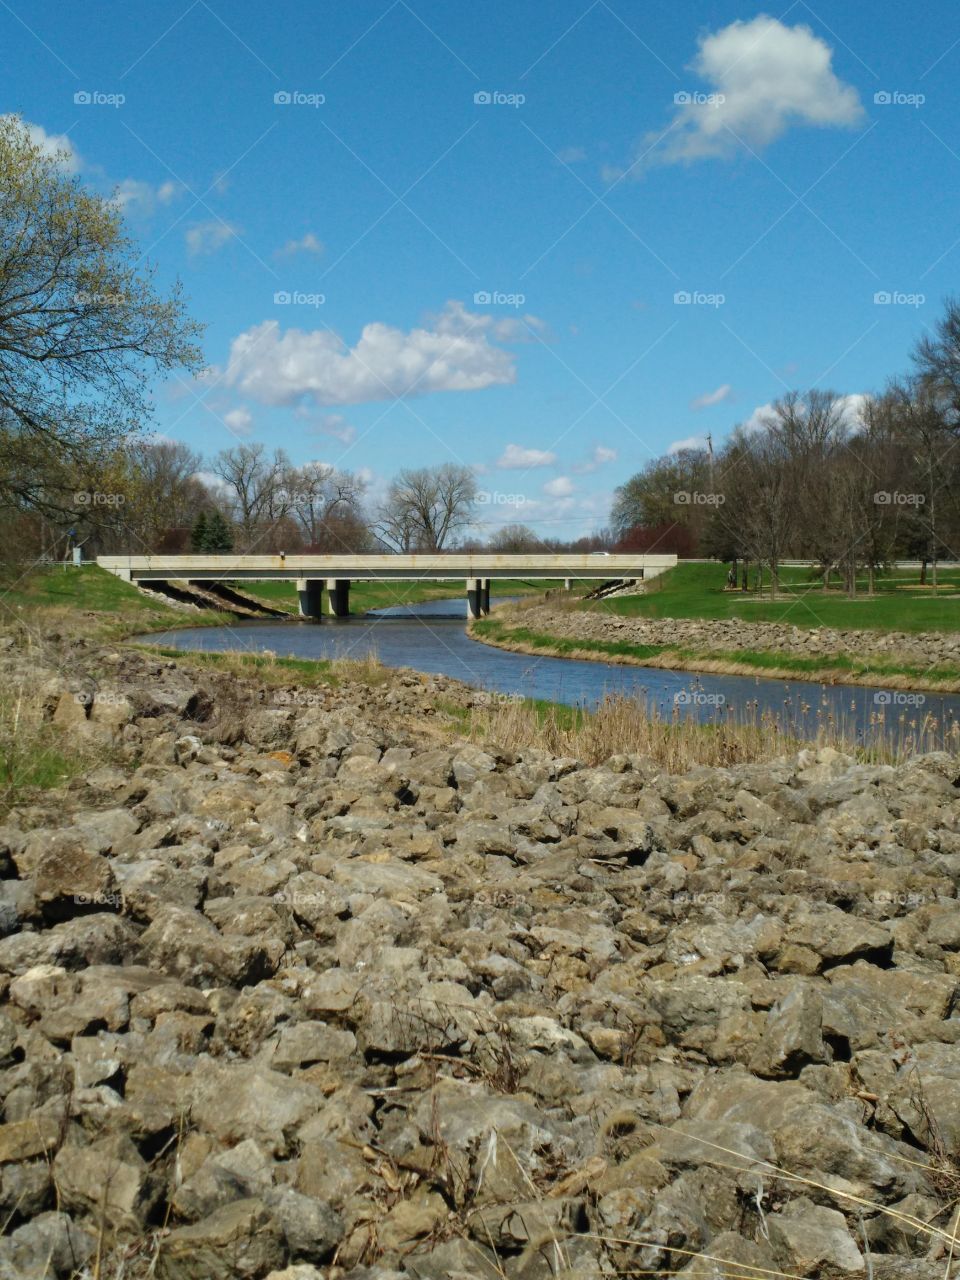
[431,637]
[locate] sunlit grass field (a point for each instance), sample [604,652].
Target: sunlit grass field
[899,603]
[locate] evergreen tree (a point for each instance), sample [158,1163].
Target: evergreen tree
[218,538]
[198,536]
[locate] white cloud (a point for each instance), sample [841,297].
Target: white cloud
[208,237]
[851,408]
[599,457]
[709,398]
[52,144]
[559,487]
[518,328]
[757,419]
[515,456]
[764,77]
[306,244]
[240,421]
[571,155]
[691,442]
[279,367]
[211,480]
[335,425]
[131,192]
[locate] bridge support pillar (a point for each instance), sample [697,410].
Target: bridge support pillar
[484,596]
[474,598]
[338,597]
[310,595]
[567,584]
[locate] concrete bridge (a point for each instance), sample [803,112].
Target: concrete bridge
[313,573]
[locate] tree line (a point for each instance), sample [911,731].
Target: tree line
[852,484]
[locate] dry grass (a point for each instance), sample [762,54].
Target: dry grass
[34,752]
[635,726]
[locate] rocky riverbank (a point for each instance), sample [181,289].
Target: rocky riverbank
[296,984]
[714,644]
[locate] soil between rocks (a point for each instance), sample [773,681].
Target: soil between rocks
[299,984]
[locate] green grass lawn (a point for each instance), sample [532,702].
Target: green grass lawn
[87,598]
[86,587]
[697,591]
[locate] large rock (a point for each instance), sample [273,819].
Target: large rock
[186,944]
[240,1101]
[108,1180]
[241,1241]
[816,1239]
[71,880]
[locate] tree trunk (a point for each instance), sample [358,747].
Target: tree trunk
[923,572]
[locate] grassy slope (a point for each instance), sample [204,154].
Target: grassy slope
[696,591]
[90,600]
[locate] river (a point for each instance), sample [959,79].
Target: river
[431,637]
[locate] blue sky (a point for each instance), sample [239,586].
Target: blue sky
[395,273]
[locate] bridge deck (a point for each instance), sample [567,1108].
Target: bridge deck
[378,568]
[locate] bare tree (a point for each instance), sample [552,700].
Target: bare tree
[424,508]
[257,485]
[761,496]
[936,359]
[321,497]
[163,492]
[515,539]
